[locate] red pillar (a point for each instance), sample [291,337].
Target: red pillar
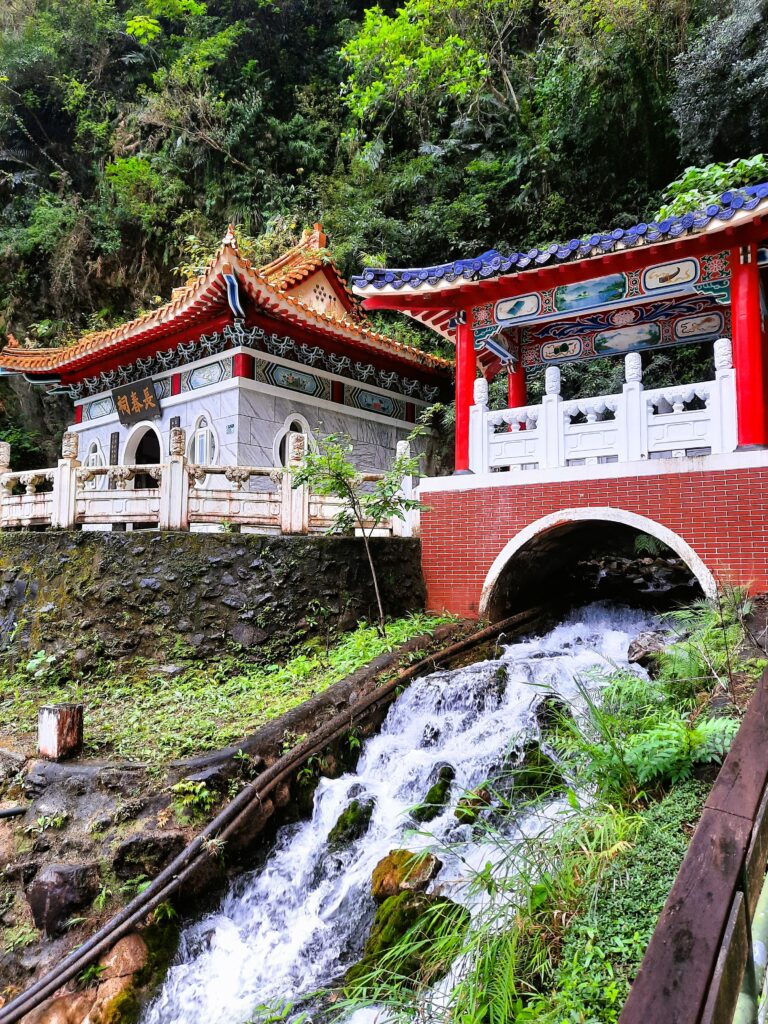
[749,351]
[466,370]
[516,391]
[243,365]
[78,414]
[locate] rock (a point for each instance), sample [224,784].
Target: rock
[127,957]
[11,763]
[400,914]
[115,1002]
[536,774]
[470,805]
[352,823]
[437,796]
[550,711]
[58,891]
[147,853]
[72,1008]
[645,647]
[402,871]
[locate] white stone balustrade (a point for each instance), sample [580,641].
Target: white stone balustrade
[175,495]
[677,421]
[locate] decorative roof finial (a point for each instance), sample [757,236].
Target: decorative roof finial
[13,341]
[229,239]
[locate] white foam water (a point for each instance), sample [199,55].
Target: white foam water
[299,921]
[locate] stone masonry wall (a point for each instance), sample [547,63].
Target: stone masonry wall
[166,595]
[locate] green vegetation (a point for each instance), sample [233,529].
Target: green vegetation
[328,470]
[133,133]
[566,914]
[151,718]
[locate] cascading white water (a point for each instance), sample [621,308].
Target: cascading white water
[296,923]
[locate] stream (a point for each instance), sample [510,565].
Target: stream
[296,923]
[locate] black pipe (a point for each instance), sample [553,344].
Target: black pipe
[171,877]
[12,812]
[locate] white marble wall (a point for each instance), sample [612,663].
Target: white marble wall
[246,422]
[264,416]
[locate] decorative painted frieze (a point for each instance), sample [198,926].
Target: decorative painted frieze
[233,336]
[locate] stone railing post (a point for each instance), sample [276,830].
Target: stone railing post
[294,511]
[725,425]
[5,467]
[409,526]
[551,423]
[174,485]
[65,483]
[633,425]
[478,428]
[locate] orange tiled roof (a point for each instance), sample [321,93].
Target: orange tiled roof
[206,296]
[303,260]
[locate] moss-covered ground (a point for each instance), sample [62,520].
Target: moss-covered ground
[140,712]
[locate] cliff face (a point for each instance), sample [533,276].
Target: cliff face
[44,417]
[148,594]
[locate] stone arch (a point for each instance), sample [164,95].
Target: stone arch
[567,518]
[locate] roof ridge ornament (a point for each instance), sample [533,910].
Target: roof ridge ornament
[229,239]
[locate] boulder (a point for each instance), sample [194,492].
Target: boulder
[352,823]
[536,774]
[436,797]
[71,1008]
[127,957]
[403,871]
[470,805]
[430,917]
[147,853]
[59,891]
[646,646]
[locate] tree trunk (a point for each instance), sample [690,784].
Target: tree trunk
[382,625]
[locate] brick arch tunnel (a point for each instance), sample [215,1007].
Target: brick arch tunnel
[539,562]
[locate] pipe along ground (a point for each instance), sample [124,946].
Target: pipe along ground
[227,821]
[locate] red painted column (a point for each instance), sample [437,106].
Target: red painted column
[78,414]
[516,389]
[243,365]
[466,370]
[749,351]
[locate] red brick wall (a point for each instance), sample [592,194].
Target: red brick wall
[721,514]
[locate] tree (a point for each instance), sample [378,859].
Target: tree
[366,503]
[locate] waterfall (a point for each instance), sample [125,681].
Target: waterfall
[296,923]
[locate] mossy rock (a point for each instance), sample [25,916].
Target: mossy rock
[469,806]
[402,871]
[123,1009]
[536,774]
[423,918]
[352,823]
[437,796]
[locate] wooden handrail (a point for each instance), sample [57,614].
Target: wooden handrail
[701,949]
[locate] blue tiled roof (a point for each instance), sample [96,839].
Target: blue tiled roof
[493,264]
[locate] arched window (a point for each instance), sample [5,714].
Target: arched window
[93,460]
[202,444]
[293,424]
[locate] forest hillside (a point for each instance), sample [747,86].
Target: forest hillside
[131,133]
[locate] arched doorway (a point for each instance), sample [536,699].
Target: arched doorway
[142,449]
[539,561]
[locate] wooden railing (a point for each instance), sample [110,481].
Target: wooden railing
[701,961]
[173,495]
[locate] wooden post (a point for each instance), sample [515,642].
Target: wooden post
[60,731]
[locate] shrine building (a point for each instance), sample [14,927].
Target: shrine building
[238,358]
